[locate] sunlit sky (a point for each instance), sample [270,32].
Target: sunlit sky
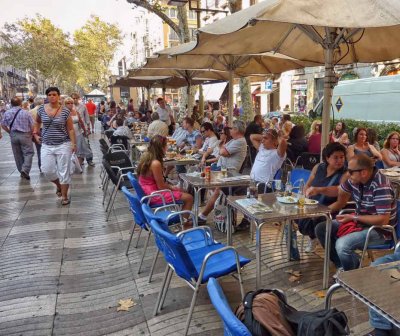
[70,14]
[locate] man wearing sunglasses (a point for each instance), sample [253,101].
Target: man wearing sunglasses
[375,205]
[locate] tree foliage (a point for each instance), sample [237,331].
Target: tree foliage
[95,44]
[38,45]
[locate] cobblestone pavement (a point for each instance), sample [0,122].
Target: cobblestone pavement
[63,269]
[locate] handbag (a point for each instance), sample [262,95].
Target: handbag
[75,167]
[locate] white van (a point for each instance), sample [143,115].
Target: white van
[375,99]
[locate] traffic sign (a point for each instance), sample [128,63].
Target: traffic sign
[339,104]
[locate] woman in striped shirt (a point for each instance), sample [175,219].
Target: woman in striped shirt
[58,142]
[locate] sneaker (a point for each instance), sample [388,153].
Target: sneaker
[311,246]
[338,271]
[25,175]
[243,225]
[91,164]
[201,221]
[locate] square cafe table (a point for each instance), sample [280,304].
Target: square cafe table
[217,181]
[377,287]
[281,212]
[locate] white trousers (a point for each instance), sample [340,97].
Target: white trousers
[56,161]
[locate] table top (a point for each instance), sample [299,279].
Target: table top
[135,142]
[181,162]
[217,180]
[378,286]
[280,211]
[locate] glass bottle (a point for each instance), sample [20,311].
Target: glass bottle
[300,195]
[288,185]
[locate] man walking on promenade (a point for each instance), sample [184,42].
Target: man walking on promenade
[19,124]
[91,108]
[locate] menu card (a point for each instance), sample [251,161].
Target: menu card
[253,205]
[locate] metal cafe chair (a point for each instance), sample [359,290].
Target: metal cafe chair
[232,325]
[195,257]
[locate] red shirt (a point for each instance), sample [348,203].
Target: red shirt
[314,143]
[91,108]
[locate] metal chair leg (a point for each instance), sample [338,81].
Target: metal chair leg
[166,290]
[144,251]
[105,189]
[160,293]
[329,294]
[189,318]
[130,239]
[111,196]
[153,265]
[138,237]
[111,204]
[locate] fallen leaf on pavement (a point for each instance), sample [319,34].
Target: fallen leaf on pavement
[320,294]
[294,278]
[124,305]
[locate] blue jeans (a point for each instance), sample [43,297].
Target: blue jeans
[342,251]
[376,320]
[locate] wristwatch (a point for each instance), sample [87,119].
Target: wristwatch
[355,218]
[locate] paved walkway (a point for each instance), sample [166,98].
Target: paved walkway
[63,269]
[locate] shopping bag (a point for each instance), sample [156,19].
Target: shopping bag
[75,167]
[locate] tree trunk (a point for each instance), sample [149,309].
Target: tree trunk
[186,102]
[247,103]
[244,83]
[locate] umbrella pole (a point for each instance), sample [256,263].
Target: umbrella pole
[163,91]
[189,100]
[328,81]
[230,101]
[149,97]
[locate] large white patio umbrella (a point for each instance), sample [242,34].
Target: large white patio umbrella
[158,81]
[331,32]
[191,77]
[233,66]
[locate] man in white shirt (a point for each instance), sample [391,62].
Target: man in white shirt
[164,111]
[232,155]
[271,154]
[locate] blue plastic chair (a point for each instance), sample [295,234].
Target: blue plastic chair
[163,213]
[389,244]
[232,325]
[194,264]
[298,174]
[141,194]
[379,164]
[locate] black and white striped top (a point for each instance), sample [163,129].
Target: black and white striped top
[54,131]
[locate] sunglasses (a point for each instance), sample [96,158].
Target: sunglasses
[351,171]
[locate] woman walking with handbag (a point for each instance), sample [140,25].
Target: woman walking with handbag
[58,142]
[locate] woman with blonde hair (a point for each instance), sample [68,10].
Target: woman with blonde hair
[151,178]
[286,129]
[82,148]
[390,152]
[314,128]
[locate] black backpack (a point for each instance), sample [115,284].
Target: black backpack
[325,322]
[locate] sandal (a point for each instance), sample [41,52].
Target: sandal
[65,201]
[58,192]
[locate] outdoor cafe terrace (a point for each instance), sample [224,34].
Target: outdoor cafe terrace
[64,269]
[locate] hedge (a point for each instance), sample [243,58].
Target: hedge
[382,129]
